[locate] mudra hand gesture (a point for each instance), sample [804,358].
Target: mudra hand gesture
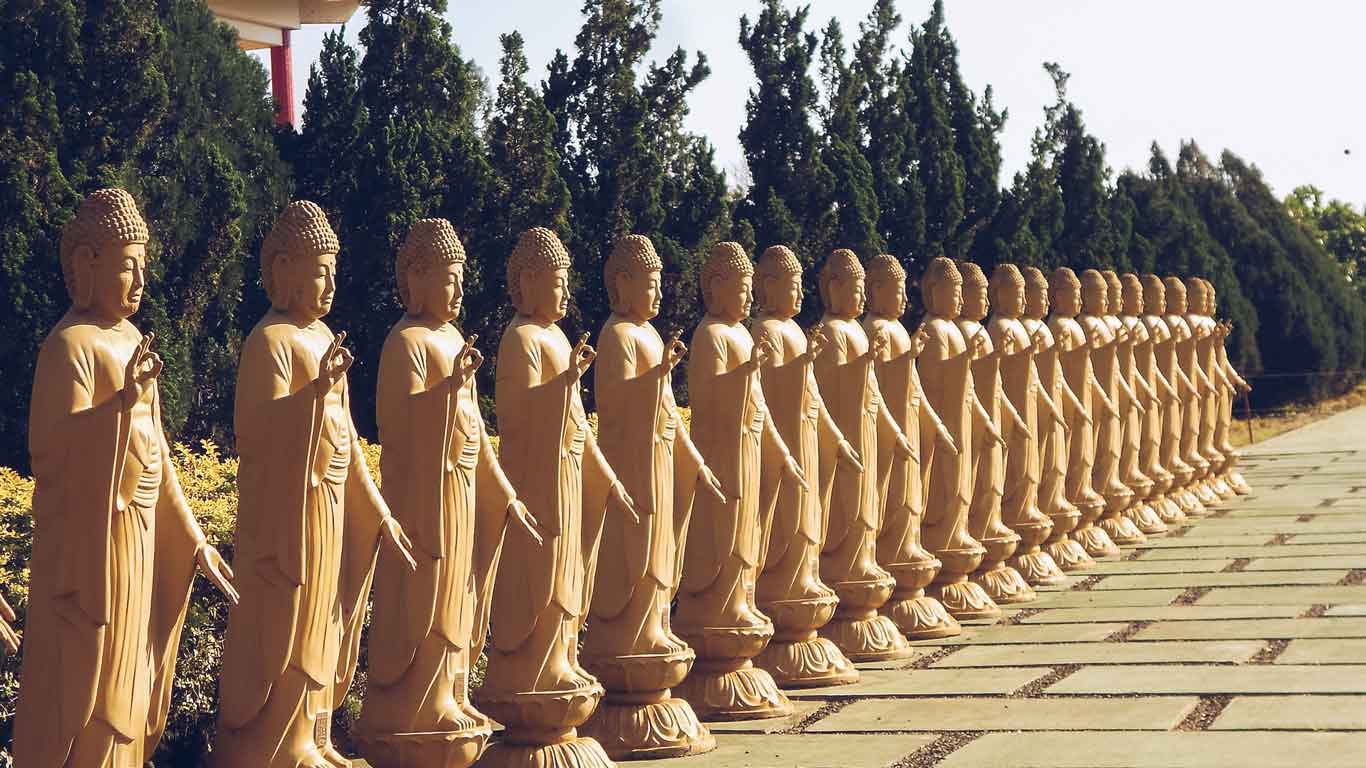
[707,479]
[849,456]
[675,350]
[919,341]
[216,570]
[946,438]
[621,498]
[980,340]
[467,361]
[333,365]
[815,342]
[878,344]
[141,372]
[763,350]
[391,532]
[581,357]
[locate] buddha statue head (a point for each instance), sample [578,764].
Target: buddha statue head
[430,271]
[1008,291]
[299,262]
[1095,293]
[728,282]
[842,284]
[1133,294]
[538,276]
[1154,294]
[941,288]
[975,303]
[1036,293]
[104,256]
[778,282]
[1114,292]
[1064,292]
[1176,295]
[1195,296]
[886,287]
[632,274]
[1209,297]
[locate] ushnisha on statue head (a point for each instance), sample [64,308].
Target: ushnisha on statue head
[728,282]
[1008,291]
[778,282]
[941,288]
[538,276]
[104,255]
[430,270]
[886,284]
[632,275]
[299,262]
[841,284]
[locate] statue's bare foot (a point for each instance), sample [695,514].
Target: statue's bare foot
[454,717]
[313,758]
[334,758]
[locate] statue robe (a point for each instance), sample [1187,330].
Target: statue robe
[735,434]
[851,497]
[946,362]
[988,457]
[1075,361]
[113,557]
[1130,468]
[1051,440]
[1020,386]
[646,442]
[1168,353]
[443,483]
[1187,357]
[552,459]
[791,566]
[1109,428]
[1211,403]
[1147,365]
[308,526]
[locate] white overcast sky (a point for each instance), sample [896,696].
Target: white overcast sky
[1277,82]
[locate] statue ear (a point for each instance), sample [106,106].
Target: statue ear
[623,285]
[281,280]
[83,268]
[414,303]
[526,281]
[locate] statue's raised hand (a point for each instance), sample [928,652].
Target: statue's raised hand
[815,342]
[467,361]
[675,350]
[878,344]
[581,357]
[920,340]
[759,356]
[333,365]
[141,372]
[216,570]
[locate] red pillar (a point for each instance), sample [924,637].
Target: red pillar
[282,80]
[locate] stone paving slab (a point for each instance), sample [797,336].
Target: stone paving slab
[1325,651]
[1309,713]
[1143,565]
[1224,540]
[1272,595]
[1238,579]
[1207,680]
[1272,552]
[1110,598]
[793,750]
[1308,562]
[927,682]
[1164,613]
[1328,538]
[997,714]
[1259,629]
[1235,527]
[1057,654]
[1347,610]
[772,725]
[1053,633]
[1093,749]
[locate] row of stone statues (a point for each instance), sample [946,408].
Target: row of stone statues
[839,490]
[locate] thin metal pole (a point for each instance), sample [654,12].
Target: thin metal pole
[1247,412]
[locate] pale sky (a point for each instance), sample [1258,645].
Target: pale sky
[1276,82]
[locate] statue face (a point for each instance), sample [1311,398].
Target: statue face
[1133,301]
[439,291]
[1158,305]
[312,284]
[732,296]
[1094,298]
[639,293]
[1010,300]
[783,295]
[887,297]
[1066,299]
[117,277]
[975,304]
[545,294]
[1036,301]
[947,296]
[846,296]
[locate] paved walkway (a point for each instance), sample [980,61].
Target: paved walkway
[1239,640]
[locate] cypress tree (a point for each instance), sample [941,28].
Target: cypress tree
[855,199]
[939,166]
[1088,237]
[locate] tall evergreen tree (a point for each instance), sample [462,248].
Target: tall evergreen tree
[855,198]
[1088,237]
[938,164]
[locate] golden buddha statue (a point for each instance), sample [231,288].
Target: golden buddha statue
[1020,386]
[1152,302]
[1187,356]
[717,613]
[789,589]
[1135,335]
[115,545]
[310,519]
[1074,355]
[535,685]
[844,373]
[1052,436]
[1168,355]
[443,482]
[1211,404]
[631,648]
[901,484]
[946,362]
[1231,475]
